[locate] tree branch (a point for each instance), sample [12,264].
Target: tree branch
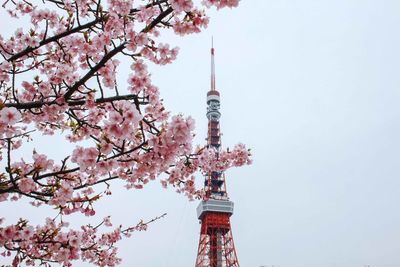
[39,104]
[53,38]
[111,54]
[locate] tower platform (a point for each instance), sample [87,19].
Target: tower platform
[214,205]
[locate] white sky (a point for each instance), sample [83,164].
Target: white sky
[313,88]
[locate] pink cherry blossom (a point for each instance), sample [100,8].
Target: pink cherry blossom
[27,185]
[221,3]
[181,5]
[9,115]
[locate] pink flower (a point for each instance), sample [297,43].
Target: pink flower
[9,115]
[9,232]
[4,197]
[141,39]
[63,254]
[41,162]
[63,195]
[106,148]
[27,232]
[75,240]
[140,68]
[181,129]
[181,5]
[85,157]
[27,185]
[131,114]
[107,221]
[221,3]
[163,49]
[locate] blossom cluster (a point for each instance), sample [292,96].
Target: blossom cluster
[55,242]
[59,76]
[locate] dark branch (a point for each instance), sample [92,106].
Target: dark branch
[39,104]
[52,39]
[111,54]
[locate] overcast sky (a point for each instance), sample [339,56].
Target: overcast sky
[312,86]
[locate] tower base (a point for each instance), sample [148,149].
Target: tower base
[216,247]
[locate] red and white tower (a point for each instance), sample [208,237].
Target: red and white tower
[216,247]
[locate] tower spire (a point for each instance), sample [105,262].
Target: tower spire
[213,104]
[212,66]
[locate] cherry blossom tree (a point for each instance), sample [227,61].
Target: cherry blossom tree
[58,77]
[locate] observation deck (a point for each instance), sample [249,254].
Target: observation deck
[214,205]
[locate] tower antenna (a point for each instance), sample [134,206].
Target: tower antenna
[212,66]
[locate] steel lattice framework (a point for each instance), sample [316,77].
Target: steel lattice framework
[216,247]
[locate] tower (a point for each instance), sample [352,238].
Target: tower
[216,247]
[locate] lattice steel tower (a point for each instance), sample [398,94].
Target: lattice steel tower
[216,247]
